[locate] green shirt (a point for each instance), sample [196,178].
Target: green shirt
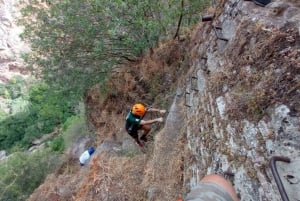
[132,121]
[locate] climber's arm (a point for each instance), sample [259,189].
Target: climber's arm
[147,122]
[156,110]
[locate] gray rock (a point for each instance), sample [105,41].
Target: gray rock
[2,155]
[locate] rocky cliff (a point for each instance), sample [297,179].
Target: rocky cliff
[231,87]
[242,98]
[11,47]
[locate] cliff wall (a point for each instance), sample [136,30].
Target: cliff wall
[241,98]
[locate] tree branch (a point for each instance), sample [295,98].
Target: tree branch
[179,21]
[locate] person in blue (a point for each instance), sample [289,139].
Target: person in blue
[135,122]
[86,155]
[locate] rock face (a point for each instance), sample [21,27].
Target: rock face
[11,46]
[227,138]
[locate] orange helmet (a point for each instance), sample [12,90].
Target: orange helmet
[138,109]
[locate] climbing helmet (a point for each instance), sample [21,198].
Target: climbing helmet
[138,109]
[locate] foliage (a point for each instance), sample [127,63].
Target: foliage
[71,121]
[21,173]
[14,88]
[58,144]
[77,127]
[75,44]
[3,114]
[47,110]
[18,105]
[50,104]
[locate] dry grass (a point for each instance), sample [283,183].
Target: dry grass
[164,172]
[119,178]
[267,73]
[113,178]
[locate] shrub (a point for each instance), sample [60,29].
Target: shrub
[21,173]
[46,110]
[58,144]
[3,114]
[14,88]
[74,128]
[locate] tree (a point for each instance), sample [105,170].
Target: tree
[21,173]
[76,43]
[47,110]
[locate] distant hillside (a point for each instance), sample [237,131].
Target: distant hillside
[12,69]
[11,46]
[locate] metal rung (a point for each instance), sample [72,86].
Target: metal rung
[193,84]
[276,175]
[207,18]
[218,34]
[187,93]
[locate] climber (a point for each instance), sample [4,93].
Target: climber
[86,155]
[135,122]
[212,187]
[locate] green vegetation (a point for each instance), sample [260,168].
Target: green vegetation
[76,44]
[74,128]
[45,110]
[58,144]
[23,172]
[14,88]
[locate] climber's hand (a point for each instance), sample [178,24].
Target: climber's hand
[160,119]
[162,111]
